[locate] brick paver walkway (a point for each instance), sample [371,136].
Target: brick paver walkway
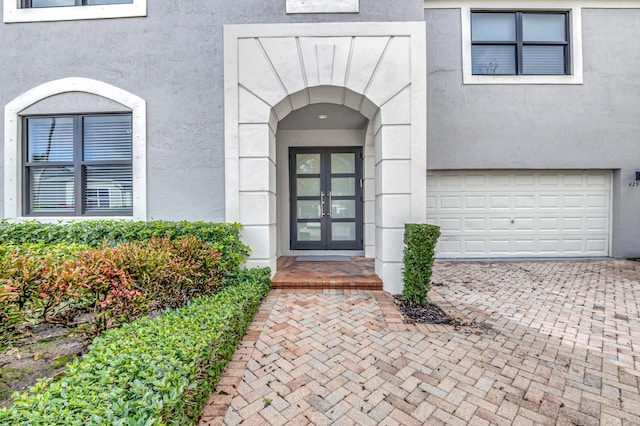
[553,343]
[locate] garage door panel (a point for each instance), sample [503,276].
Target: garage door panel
[572,180]
[475,180]
[478,247]
[597,245]
[573,202]
[549,201]
[451,181]
[431,202]
[572,246]
[518,213]
[524,180]
[500,247]
[549,246]
[549,224]
[597,201]
[451,224]
[499,180]
[598,180]
[500,202]
[450,246]
[572,224]
[475,202]
[597,224]
[525,224]
[475,224]
[499,224]
[450,202]
[524,201]
[549,180]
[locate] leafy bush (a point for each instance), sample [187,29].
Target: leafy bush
[22,271]
[118,283]
[10,314]
[149,372]
[224,237]
[419,252]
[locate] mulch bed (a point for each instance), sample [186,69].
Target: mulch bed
[427,314]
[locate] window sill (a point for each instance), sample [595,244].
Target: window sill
[56,219]
[14,14]
[523,79]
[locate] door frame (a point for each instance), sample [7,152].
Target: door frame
[325,243]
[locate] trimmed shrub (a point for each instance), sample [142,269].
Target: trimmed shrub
[118,283]
[419,252]
[224,237]
[149,372]
[23,269]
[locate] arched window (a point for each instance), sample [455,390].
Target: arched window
[75,147]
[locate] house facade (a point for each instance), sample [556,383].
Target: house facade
[324,126]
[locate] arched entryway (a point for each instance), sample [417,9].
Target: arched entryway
[374,69]
[325,182]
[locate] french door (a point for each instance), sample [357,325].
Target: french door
[326,198]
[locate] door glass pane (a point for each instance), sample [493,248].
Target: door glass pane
[308,164]
[308,187]
[543,60]
[493,26]
[498,60]
[309,231]
[107,137]
[50,139]
[343,186]
[309,209]
[51,189]
[343,162]
[544,27]
[342,231]
[343,209]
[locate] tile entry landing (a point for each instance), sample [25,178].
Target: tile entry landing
[357,274]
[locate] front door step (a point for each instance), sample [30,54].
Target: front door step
[357,274]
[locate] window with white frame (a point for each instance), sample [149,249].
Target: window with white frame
[78,165]
[70,10]
[520,43]
[537,45]
[62,3]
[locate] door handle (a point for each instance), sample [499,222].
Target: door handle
[322,204]
[330,205]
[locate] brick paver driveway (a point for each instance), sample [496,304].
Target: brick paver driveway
[555,343]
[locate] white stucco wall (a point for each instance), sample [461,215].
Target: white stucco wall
[377,69]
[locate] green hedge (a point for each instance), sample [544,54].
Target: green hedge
[419,252]
[149,372]
[224,237]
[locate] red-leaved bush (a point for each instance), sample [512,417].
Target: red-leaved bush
[117,284]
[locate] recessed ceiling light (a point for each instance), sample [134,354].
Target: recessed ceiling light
[322,116]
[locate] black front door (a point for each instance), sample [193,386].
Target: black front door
[326,198]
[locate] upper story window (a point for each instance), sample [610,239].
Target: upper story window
[62,3]
[78,165]
[520,43]
[539,45]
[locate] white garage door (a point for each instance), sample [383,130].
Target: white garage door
[485,214]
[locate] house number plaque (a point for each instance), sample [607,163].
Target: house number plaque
[323,6]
